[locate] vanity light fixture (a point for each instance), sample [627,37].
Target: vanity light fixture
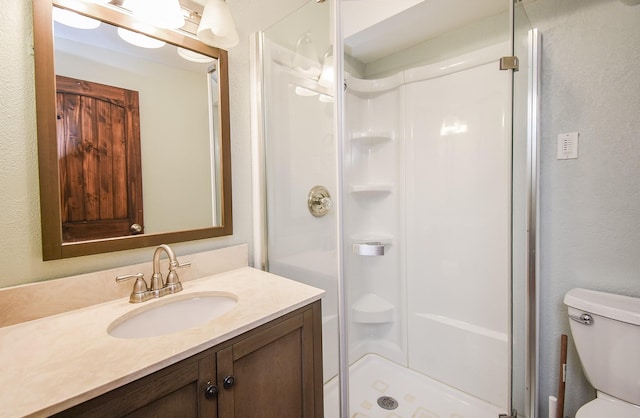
[216,25]
[73,19]
[138,39]
[194,56]
[161,13]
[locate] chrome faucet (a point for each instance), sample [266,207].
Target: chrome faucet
[141,292]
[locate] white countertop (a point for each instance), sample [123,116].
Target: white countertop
[50,364]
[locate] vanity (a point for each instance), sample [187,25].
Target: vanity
[261,357]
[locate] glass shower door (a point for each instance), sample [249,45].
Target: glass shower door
[526,46]
[300,160]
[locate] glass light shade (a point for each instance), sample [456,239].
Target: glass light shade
[138,39]
[73,19]
[216,25]
[306,58]
[194,56]
[325,98]
[161,13]
[326,76]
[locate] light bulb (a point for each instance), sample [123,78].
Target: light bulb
[73,19]
[161,13]
[138,39]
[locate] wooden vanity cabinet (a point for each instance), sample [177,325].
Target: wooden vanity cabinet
[273,371]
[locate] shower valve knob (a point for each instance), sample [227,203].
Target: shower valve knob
[319,201]
[326,202]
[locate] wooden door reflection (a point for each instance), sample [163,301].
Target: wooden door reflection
[98,129]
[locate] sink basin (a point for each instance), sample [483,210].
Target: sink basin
[173,315]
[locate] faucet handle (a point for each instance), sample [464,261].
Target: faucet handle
[177,264]
[138,294]
[173,282]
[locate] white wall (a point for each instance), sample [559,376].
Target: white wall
[434,155]
[589,228]
[458,230]
[20,245]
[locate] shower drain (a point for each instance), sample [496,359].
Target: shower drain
[387,402]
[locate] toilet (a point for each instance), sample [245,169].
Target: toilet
[606,331]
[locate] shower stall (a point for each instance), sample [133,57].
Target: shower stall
[406,195]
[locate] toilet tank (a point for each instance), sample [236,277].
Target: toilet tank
[609,348]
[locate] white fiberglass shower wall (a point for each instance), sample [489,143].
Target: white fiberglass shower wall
[427,176]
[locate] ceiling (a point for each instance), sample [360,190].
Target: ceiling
[417,23]
[374,29]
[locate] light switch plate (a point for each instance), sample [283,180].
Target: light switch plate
[568,146]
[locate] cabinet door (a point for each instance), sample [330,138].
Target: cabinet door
[275,373]
[177,391]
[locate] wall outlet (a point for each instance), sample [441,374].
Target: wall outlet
[568,146]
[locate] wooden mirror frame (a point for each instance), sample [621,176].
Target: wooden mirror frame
[53,246]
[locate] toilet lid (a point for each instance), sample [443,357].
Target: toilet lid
[606,407]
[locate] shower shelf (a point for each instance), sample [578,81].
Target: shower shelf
[371,139]
[360,239]
[372,309]
[371,88]
[368,249]
[372,189]
[371,245]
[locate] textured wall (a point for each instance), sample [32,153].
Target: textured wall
[590,234]
[20,243]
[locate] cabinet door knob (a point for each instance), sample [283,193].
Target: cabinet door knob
[211,391]
[228,382]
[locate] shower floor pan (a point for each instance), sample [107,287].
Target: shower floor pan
[375,383]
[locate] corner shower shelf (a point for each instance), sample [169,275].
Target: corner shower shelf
[371,88]
[369,249]
[371,139]
[372,309]
[384,239]
[371,189]
[371,244]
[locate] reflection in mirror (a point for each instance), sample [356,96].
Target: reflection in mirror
[176,136]
[158,170]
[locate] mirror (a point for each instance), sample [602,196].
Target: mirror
[183,139]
